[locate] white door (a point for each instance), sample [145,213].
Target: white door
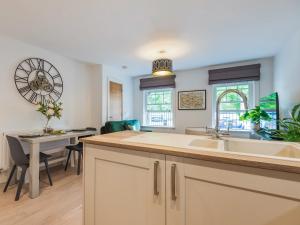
[207,193]
[123,187]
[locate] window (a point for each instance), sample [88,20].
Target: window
[232,106]
[158,108]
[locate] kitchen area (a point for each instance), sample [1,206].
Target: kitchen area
[148,178]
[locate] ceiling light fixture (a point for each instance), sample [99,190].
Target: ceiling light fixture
[162,66]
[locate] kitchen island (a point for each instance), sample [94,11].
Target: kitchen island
[133,178]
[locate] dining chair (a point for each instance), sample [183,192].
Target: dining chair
[79,149]
[21,160]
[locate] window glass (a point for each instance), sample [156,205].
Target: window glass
[158,108]
[232,106]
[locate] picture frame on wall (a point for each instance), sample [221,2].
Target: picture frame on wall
[192,100]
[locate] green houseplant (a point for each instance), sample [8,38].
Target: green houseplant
[255,116]
[50,110]
[289,127]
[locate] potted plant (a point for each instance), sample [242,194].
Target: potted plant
[289,127]
[255,116]
[50,110]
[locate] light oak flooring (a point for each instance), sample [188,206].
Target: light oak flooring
[60,204]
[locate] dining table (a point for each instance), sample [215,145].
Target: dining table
[34,143]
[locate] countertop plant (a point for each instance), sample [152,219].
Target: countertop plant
[289,127]
[255,116]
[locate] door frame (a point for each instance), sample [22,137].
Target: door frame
[118,81]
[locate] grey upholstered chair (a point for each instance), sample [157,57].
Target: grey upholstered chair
[22,160]
[77,148]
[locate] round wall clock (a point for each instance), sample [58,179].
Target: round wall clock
[37,80]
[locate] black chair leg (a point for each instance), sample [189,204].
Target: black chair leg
[21,182]
[67,163]
[79,161]
[10,177]
[48,172]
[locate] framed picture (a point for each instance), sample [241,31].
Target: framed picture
[192,100]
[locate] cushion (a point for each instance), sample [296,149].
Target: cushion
[115,126]
[130,127]
[133,125]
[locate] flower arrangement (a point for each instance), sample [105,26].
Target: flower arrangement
[50,110]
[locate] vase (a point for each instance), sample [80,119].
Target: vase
[47,129]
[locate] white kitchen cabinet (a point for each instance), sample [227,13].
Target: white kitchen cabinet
[123,187]
[208,193]
[127,187]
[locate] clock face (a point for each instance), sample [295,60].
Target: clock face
[37,80]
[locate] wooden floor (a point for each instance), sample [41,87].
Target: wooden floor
[60,204]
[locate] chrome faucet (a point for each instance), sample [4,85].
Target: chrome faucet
[240,93]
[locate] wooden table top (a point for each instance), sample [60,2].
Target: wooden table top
[118,140]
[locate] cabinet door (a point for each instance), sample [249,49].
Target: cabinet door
[208,193]
[123,187]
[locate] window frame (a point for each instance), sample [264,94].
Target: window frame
[173,107]
[251,99]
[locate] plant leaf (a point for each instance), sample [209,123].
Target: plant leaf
[296,112]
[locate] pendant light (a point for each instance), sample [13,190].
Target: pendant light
[162,66]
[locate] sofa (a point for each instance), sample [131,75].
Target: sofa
[116,126]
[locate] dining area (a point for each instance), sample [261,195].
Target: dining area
[31,151]
[29,154]
[41,162]
[59,204]
[44,113]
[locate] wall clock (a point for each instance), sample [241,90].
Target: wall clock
[37,80]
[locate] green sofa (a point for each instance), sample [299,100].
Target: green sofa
[116,126]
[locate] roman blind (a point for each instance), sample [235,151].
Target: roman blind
[234,74]
[158,82]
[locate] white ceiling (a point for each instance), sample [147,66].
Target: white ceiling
[194,33]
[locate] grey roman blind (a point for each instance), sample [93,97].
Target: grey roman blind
[234,74]
[158,82]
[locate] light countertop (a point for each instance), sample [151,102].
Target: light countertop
[137,141]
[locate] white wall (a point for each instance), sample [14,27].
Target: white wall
[197,79]
[116,75]
[96,89]
[79,96]
[287,74]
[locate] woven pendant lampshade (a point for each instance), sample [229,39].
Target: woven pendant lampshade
[162,67]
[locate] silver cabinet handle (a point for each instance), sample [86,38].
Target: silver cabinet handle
[156,164]
[173,182]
